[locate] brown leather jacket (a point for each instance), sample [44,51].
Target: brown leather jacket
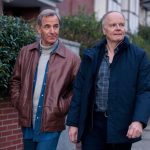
[63,66]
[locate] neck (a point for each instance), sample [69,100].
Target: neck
[112,45]
[47,46]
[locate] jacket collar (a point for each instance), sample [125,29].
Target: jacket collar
[100,46]
[34,46]
[91,52]
[124,44]
[61,49]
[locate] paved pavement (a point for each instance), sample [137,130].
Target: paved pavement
[64,143]
[144,144]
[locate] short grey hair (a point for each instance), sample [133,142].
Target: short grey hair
[106,14]
[45,13]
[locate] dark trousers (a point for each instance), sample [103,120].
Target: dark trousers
[95,139]
[123,146]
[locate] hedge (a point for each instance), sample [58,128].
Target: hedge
[14,33]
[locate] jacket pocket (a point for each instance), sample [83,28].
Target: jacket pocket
[63,105]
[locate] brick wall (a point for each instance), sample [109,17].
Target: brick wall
[72,7]
[10,132]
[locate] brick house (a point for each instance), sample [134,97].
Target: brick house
[136,11]
[27,9]
[72,7]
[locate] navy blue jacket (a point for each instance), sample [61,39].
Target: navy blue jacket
[129,90]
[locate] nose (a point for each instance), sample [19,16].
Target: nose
[117,26]
[52,30]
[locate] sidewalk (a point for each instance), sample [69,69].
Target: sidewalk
[64,143]
[144,144]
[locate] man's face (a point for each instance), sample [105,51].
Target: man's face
[114,27]
[49,30]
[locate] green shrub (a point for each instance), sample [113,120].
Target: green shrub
[141,42]
[14,33]
[142,38]
[144,32]
[87,30]
[81,28]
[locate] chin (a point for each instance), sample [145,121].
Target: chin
[51,42]
[119,39]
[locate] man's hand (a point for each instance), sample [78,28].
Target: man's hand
[73,133]
[135,130]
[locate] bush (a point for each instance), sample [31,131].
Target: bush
[87,30]
[141,41]
[14,33]
[81,28]
[144,32]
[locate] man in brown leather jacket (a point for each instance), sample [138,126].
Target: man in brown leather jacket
[41,85]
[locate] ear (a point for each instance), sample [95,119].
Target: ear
[38,29]
[103,31]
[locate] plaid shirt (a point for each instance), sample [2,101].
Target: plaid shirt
[102,84]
